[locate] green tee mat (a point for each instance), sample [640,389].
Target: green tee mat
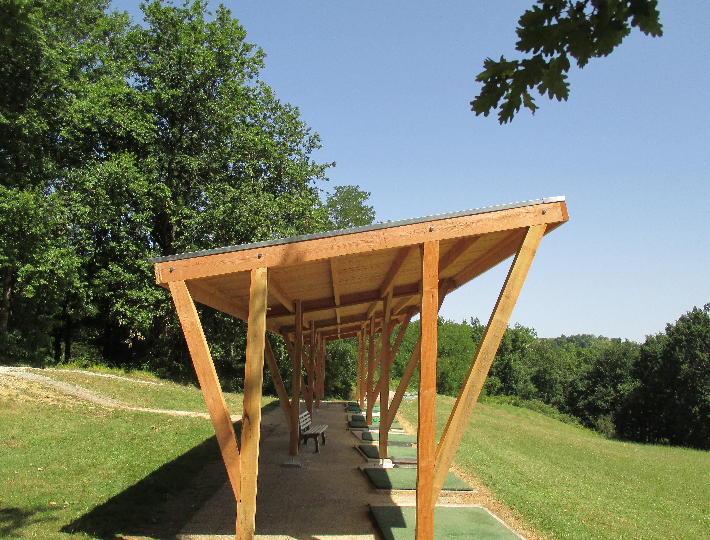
[398,523]
[406,478]
[375,420]
[361,424]
[357,409]
[373,452]
[393,437]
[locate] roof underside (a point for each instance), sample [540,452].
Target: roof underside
[341,277]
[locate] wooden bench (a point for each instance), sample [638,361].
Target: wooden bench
[307,430]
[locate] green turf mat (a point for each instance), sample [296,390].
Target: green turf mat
[407,479]
[361,424]
[397,523]
[356,409]
[393,437]
[373,452]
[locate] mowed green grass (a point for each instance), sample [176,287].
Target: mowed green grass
[570,482]
[72,469]
[153,394]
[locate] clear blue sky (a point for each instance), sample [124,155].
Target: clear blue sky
[387,85]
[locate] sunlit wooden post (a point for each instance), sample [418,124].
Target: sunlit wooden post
[385,375]
[370,371]
[251,418]
[426,442]
[296,380]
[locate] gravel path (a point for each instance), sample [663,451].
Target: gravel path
[94,397]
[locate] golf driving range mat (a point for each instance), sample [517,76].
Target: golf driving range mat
[457,522]
[368,436]
[407,479]
[373,452]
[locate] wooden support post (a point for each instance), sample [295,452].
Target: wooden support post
[322,368]
[370,371]
[426,441]
[278,382]
[358,385]
[385,375]
[311,368]
[487,347]
[251,419]
[363,369]
[296,380]
[207,377]
[319,343]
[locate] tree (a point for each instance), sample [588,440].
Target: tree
[555,31]
[47,55]
[597,393]
[670,400]
[346,207]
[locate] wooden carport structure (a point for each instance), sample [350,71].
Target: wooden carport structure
[356,283]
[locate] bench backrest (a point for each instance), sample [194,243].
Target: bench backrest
[304,420]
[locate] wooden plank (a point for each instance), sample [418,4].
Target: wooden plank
[251,418]
[278,382]
[296,380]
[278,293]
[394,270]
[497,254]
[207,377]
[385,375]
[426,440]
[487,347]
[458,249]
[362,298]
[362,242]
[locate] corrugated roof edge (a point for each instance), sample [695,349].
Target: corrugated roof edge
[341,232]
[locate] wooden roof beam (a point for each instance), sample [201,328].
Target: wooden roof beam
[278,293]
[456,251]
[214,264]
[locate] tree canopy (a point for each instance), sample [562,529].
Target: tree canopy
[553,33]
[121,142]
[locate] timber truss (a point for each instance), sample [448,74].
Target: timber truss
[357,283]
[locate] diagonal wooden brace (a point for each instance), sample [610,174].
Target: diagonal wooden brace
[209,383]
[487,348]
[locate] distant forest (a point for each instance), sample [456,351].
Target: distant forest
[654,392]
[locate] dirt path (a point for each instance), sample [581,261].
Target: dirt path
[94,397]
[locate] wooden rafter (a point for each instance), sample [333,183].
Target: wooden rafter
[458,249]
[278,293]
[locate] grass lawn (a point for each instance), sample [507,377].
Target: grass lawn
[569,482]
[70,467]
[154,394]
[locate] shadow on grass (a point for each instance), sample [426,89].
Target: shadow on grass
[12,519]
[160,504]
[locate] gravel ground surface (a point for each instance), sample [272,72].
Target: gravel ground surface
[328,497]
